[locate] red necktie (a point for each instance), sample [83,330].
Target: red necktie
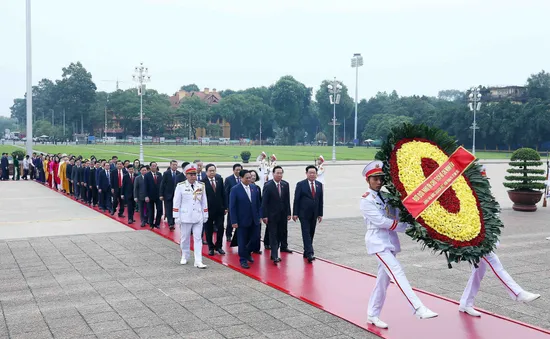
[213,185]
[132,177]
[155,177]
[279,189]
[120,178]
[312,190]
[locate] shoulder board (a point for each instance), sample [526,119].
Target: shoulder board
[181,183]
[366,194]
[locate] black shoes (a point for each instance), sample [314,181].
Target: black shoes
[286,250]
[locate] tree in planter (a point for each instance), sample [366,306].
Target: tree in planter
[525,181]
[245,155]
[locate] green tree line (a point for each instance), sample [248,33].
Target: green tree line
[286,111]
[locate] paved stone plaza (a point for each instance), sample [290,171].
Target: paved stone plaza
[78,275]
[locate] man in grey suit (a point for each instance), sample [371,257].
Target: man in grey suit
[75,179]
[140,195]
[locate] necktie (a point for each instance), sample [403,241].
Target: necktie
[239,180]
[279,188]
[174,176]
[312,190]
[214,185]
[120,178]
[108,177]
[192,187]
[155,177]
[380,196]
[132,177]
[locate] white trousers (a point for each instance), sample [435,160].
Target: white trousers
[491,260]
[185,241]
[390,269]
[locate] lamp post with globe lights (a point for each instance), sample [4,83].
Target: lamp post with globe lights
[474,104]
[334,89]
[141,77]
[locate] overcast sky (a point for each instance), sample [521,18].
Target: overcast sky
[412,46]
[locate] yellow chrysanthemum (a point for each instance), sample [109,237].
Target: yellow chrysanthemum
[462,226]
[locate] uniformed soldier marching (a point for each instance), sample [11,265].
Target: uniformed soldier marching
[190,213]
[381,240]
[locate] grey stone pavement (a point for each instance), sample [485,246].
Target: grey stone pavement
[128,284]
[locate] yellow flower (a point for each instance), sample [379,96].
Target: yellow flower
[462,226]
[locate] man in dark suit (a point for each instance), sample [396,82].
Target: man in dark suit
[117,178]
[140,195]
[308,207]
[104,188]
[152,187]
[245,211]
[5,167]
[167,189]
[215,195]
[231,181]
[181,177]
[92,182]
[201,175]
[276,213]
[128,193]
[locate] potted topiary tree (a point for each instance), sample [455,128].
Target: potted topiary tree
[526,180]
[245,155]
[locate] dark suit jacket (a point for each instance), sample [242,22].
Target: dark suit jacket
[115,183]
[274,206]
[92,178]
[128,186]
[151,187]
[230,181]
[201,176]
[216,200]
[167,185]
[180,178]
[103,181]
[243,211]
[140,191]
[304,204]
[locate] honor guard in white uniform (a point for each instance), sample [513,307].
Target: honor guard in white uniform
[321,170]
[272,164]
[381,239]
[262,169]
[514,290]
[190,213]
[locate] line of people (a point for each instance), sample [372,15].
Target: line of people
[196,199]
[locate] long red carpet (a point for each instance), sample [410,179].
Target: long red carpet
[344,292]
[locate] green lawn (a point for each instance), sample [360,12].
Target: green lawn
[163,153]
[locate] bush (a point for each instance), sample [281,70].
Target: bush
[19,154]
[525,176]
[245,155]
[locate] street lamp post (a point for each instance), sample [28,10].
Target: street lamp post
[334,89]
[475,104]
[29,77]
[356,61]
[105,129]
[141,77]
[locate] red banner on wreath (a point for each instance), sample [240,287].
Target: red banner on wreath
[438,182]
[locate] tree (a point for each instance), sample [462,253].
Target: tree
[192,114]
[190,88]
[290,99]
[451,95]
[245,112]
[77,95]
[8,123]
[538,86]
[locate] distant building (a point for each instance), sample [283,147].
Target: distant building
[211,97]
[516,94]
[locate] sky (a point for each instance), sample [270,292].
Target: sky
[411,46]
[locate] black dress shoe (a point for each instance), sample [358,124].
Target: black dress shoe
[310,259]
[210,252]
[250,259]
[245,265]
[267,247]
[113,213]
[204,242]
[286,250]
[143,225]
[220,251]
[257,252]
[172,227]
[121,215]
[130,221]
[228,239]
[276,260]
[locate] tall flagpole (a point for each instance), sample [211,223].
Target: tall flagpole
[29,80]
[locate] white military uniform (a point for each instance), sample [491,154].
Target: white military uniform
[381,240]
[321,171]
[190,211]
[491,260]
[262,172]
[270,169]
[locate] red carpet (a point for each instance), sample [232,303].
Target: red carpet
[344,292]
